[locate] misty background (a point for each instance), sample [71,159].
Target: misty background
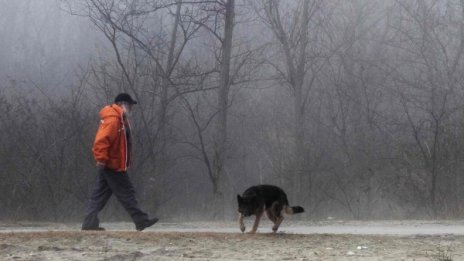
[354,108]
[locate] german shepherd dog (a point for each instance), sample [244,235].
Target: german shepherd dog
[264,198]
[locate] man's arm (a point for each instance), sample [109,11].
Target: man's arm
[106,134]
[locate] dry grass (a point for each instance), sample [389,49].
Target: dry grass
[119,245]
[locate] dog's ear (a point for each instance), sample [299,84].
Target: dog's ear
[239,199]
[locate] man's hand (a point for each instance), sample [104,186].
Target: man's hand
[100,165]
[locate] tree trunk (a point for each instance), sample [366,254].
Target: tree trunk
[220,141]
[299,103]
[165,93]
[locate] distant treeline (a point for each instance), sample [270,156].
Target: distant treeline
[355,108]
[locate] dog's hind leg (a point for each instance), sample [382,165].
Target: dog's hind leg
[270,215]
[274,218]
[277,209]
[259,214]
[277,224]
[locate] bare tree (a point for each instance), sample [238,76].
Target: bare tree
[149,65]
[298,71]
[429,87]
[220,140]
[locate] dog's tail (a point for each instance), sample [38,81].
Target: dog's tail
[293,210]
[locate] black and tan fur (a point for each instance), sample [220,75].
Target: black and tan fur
[264,198]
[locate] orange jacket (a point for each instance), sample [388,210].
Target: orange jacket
[110,146]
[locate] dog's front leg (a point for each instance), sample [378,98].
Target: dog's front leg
[257,219]
[240,222]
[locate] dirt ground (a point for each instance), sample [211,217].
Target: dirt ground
[68,243]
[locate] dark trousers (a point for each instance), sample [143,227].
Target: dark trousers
[110,182]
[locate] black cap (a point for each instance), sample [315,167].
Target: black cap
[124,97]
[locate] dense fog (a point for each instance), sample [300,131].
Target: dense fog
[353,107]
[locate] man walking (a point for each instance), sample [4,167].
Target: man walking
[112,152]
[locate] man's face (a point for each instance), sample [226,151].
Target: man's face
[127,107]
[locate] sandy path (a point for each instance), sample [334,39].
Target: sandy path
[175,242]
[401,228]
